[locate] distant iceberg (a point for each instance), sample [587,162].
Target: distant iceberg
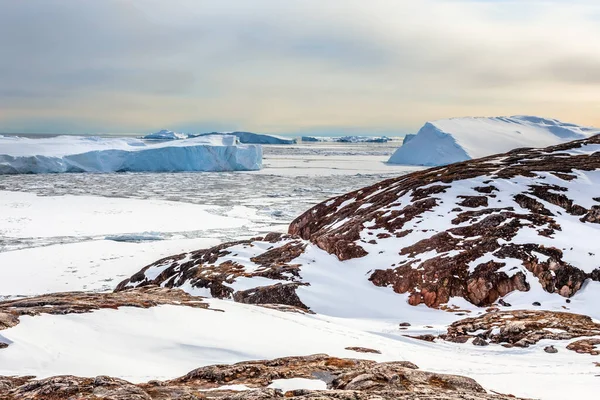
[94,154]
[347,139]
[243,137]
[256,138]
[458,139]
[166,135]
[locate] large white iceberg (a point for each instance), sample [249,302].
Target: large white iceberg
[94,154]
[458,139]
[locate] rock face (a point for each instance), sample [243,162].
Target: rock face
[479,230]
[522,328]
[346,379]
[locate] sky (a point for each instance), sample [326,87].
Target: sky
[293,66]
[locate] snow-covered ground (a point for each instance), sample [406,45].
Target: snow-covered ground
[93,154]
[458,139]
[168,341]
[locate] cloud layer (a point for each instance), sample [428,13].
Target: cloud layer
[293,66]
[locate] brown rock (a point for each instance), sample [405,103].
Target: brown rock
[550,349]
[363,350]
[523,327]
[279,293]
[586,346]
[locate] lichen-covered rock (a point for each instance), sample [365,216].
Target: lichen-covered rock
[522,328]
[347,378]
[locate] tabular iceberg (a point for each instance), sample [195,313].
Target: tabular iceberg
[459,139]
[94,154]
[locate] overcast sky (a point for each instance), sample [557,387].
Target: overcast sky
[291,66]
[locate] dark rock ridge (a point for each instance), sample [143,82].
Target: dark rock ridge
[346,378]
[479,230]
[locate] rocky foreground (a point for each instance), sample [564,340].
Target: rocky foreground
[345,379]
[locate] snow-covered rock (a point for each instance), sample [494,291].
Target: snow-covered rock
[94,154]
[165,135]
[526,221]
[458,139]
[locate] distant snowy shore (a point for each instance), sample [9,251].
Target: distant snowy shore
[93,154]
[347,139]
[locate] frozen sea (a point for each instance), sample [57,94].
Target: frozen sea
[91,230]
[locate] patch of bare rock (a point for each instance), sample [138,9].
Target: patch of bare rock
[346,379]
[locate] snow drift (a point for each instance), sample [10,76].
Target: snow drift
[94,154]
[458,139]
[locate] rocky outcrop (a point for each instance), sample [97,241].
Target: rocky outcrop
[522,328]
[279,293]
[215,270]
[345,378]
[479,230]
[586,346]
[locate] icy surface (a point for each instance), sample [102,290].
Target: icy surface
[94,154]
[458,139]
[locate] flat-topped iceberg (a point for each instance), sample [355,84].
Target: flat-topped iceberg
[458,139]
[94,154]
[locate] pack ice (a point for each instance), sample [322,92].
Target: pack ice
[93,154]
[453,140]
